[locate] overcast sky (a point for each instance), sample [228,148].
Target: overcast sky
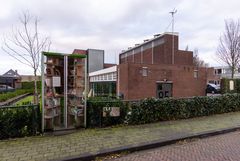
[115,25]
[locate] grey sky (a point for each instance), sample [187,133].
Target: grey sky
[114,25]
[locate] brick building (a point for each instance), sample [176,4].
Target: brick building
[152,69]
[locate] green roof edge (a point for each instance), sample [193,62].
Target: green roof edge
[63,54]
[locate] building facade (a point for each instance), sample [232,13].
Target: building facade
[95,58]
[11,78]
[103,82]
[157,68]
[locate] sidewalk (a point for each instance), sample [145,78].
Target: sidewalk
[95,141]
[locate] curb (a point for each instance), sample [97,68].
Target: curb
[145,146]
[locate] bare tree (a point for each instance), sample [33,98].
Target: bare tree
[25,44]
[197,61]
[228,49]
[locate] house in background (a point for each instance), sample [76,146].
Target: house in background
[217,73]
[11,78]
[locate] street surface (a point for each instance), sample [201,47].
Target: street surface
[225,147]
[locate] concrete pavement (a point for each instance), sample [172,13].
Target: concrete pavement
[89,143]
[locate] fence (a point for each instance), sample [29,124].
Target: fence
[19,121]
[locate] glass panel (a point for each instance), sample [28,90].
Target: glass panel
[75,91]
[53,99]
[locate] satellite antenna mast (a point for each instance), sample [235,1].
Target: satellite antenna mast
[172,13]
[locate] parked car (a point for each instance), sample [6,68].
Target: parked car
[6,88]
[213,88]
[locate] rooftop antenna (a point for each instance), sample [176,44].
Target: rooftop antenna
[173,12]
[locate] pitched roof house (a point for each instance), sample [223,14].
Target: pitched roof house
[11,78]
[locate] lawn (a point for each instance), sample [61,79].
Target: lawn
[24,101]
[18,92]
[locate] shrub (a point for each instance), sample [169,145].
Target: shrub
[152,110]
[95,112]
[30,85]
[19,121]
[8,95]
[225,86]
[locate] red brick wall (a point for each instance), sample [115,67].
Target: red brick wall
[137,57]
[184,57]
[161,54]
[135,86]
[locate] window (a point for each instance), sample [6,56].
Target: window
[195,74]
[211,81]
[110,76]
[114,76]
[105,77]
[219,71]
[144,71]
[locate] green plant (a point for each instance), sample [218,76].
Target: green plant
[225,85]
[95,112]
[30,85]
[152,110]
[8,95]
[18,121]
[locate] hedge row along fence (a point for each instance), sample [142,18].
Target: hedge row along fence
[153,110]
[19,121]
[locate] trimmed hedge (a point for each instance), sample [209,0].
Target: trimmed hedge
[19,121]
[30,85]
[8,95]
[152,110]
[95,112]
[225,86]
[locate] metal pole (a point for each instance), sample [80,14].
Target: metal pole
[65,89]
[85,94]
[43,86]
[152,52]
[172,13]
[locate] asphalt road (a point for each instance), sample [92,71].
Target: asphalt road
[224,147]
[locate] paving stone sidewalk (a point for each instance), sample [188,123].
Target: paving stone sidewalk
[94,141]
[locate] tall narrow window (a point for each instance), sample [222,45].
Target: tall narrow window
[145,71]
[195,73]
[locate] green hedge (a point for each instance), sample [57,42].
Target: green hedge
[8,95]
[225,86]
[19,121]
[152,110]
[95,112]
[30,85]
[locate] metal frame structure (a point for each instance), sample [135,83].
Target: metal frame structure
[65,56]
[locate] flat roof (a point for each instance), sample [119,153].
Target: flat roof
[150,40]
[104,71]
